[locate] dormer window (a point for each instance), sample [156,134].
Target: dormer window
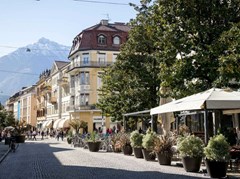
[102,40]
[116,40]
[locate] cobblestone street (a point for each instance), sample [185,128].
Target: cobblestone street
[49,159]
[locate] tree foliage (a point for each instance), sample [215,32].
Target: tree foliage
[6,118]
[132,83]
[180,45]
[193,38]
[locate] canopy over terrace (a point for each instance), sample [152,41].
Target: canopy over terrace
[211,99]
[138,113]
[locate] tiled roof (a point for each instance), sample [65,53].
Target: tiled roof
[87,39]
[61,64]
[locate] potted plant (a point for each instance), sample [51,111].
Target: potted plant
[191,150]
[148,145]
[20,130]
[116,143]
[93,142]
[125,144]
[217,156]
[163,147]
[136,143]
[69,136]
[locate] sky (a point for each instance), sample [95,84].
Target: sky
[24,22]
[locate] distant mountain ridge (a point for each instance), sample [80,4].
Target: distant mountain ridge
[22,67]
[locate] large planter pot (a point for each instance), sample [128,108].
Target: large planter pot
[216,169]
[127,149]
[138,152]
[164,158]
[148,155]
[69,140]
[20,138]
[191,164]
[94,146]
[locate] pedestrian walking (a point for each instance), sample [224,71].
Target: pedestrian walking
[42,134]
[62,135]
[34,135]
[57,135]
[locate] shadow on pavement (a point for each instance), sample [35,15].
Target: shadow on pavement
[38,161]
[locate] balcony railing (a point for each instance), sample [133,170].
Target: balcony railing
[81,107]
[90,64]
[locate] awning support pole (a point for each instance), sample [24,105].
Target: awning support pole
[205,124]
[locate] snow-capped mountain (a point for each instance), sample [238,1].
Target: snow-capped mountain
[22,67]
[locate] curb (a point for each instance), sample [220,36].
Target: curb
[3,157]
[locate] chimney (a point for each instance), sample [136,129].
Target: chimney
[104,22]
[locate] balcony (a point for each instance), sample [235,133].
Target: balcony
[81,107]
[85,88]
[53,100]
[87,107]
[91,64]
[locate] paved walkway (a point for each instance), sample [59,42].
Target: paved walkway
[49,159]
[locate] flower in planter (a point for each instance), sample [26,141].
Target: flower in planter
[164,143]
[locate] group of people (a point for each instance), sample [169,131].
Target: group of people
[31,134]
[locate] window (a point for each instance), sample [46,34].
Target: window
[101,58]
[84,78]
[114,57]
[84,99]
[72,81]
[102,40]
[85,59]
[116,40]
[99,80]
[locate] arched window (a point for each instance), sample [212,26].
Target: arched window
[116,40]
[102,39]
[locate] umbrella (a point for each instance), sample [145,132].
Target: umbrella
[9,128]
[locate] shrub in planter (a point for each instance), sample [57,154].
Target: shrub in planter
[136,143]
[217,156]
[125,143]
[148,145]
[191,150]
[69,137]
[93,142]
[163,147]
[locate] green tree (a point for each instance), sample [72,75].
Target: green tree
[6,118]
[192,44]
[132,83]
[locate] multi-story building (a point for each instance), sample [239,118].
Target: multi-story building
[42,89]
[54,97]
[28,108]
[93,49]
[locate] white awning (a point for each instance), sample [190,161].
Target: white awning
[63,123]
[55,124]
[46,124]
[233,111]
[213,99]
